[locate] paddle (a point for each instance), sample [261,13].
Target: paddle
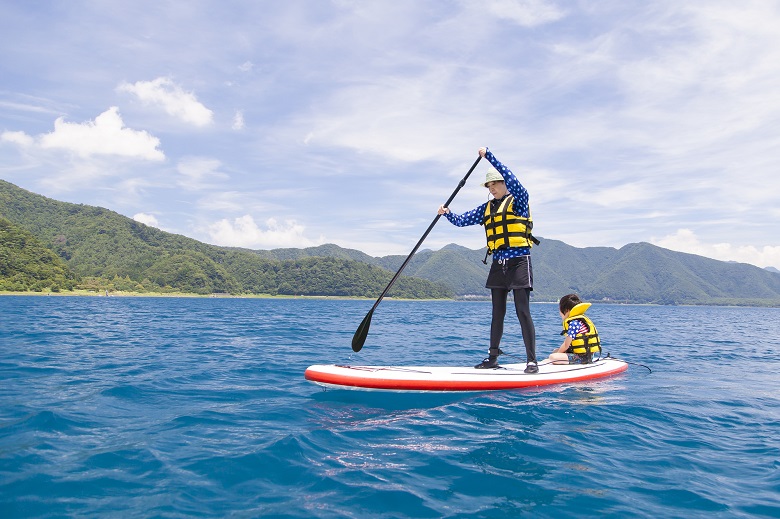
[362,331]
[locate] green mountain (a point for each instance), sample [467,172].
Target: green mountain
[101,249]
[635,273]
[105,250]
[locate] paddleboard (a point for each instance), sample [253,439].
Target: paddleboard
[444,378]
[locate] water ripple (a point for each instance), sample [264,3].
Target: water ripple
[140,407]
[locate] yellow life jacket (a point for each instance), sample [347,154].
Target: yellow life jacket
[584,344]
[506,229]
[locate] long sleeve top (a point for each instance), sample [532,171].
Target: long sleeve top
[520,207]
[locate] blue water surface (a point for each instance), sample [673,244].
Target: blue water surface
[197,407]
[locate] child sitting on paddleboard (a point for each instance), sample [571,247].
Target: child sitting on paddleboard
[582,338]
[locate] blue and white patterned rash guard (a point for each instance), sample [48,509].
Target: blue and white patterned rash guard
[520,205]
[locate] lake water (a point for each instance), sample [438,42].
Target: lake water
[182,407]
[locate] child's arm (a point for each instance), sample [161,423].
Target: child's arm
[571,333]
[564,346]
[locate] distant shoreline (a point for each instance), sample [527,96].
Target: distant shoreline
[88,293]
[92,293]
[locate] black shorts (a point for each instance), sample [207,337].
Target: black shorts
[514,273]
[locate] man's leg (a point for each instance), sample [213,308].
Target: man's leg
[523,308]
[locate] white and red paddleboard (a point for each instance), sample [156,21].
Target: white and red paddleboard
[444,378]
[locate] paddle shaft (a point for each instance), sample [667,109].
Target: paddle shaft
[362,331]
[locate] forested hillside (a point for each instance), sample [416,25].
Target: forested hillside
[103,250]
[25,264]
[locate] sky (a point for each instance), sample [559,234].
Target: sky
[267,124]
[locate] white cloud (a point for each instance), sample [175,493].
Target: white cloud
[244,232]
[623,195]
[246,66]
[106,135]
[18,138]
[24,107]
[528,13]
[400,118]
[238,121]
[685,240]
[227,201]
[147,219]
[172,98]
[199,173]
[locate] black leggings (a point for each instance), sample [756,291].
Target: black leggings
[523,308]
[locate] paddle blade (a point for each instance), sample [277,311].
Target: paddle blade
[362,331]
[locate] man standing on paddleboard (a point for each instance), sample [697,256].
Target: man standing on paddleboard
[508,224]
